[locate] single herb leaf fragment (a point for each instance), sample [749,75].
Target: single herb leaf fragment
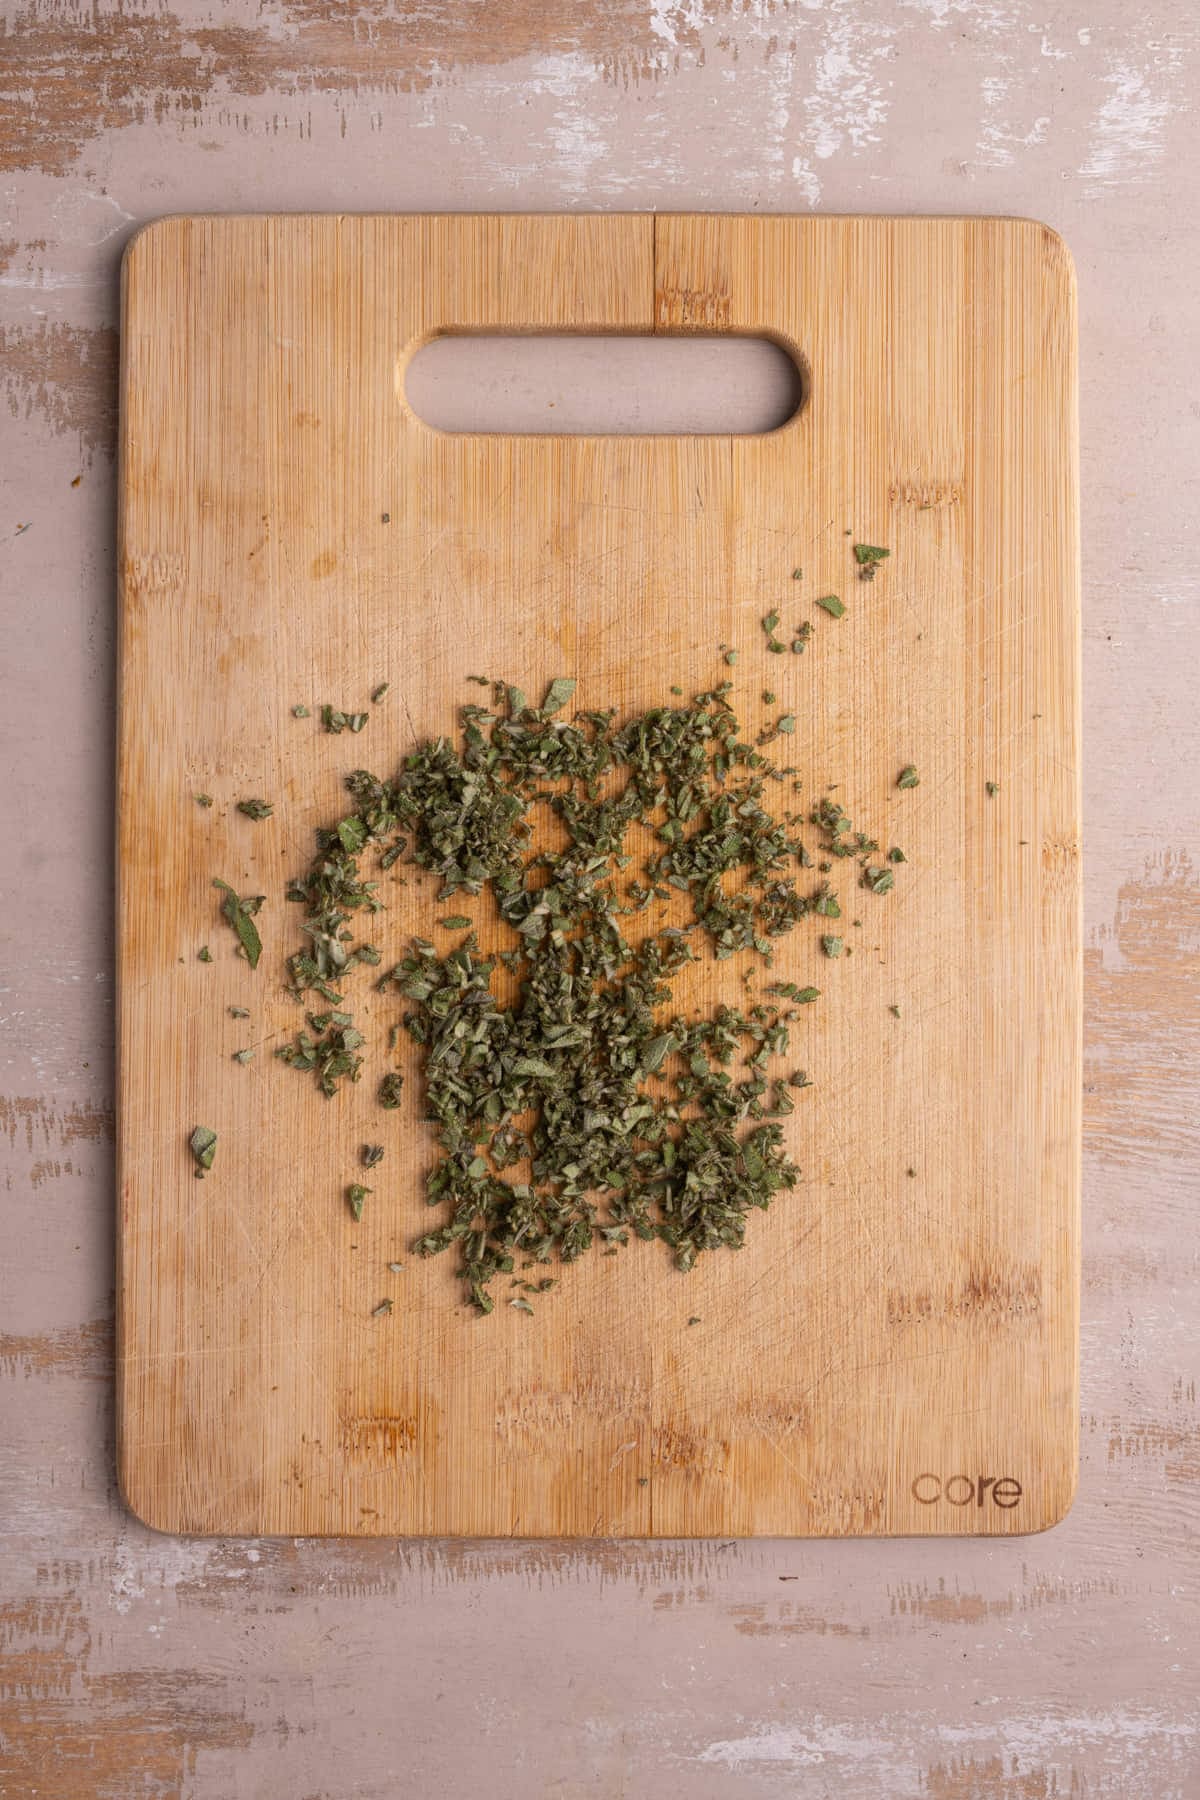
[832,605]
[239,910]
[255,809]
[557,695]
[356,1194]
[908,777]
[203,1146]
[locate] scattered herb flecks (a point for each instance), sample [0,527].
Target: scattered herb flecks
[770,625]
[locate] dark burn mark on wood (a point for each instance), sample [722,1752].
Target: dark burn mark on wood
[990,1291]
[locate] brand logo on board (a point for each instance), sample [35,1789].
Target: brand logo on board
[967,1490]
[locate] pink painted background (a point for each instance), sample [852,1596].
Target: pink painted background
[1058,1666]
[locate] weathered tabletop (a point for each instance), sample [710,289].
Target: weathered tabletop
[1057,1665]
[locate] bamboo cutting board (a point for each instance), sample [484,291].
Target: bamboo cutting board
[894,1350]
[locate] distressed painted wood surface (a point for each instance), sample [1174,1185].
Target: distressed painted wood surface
[894,1349]
[1058,1665]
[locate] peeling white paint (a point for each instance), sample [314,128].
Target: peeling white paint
[669,17]
[1129,133]
[823,1741]
[848,104]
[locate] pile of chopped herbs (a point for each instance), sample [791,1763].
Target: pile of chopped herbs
[572,1107]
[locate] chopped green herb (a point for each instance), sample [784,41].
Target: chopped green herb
[240,912]
[797,574]
[895,1011]
[328,1049]
[377,693]
[336,721]
[908,777]
[203,1146]
[203,799]
[301,712]
[788,989]
[356,1195]
[770,621]
[390,1090]
[557,695]
[832,605]
[521,1305]
[731,657]
[239,1012]
[880,881]
[243,1056]
[204,954]
[832,946]
[803,634]
[394,1268]
[255,809]
[896,856]
[371,1154]
[571,1107]
[991,788]
[381,1311]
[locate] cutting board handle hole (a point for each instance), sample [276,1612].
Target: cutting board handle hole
[635,385]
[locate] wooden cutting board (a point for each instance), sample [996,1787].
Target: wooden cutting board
[895,1348]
